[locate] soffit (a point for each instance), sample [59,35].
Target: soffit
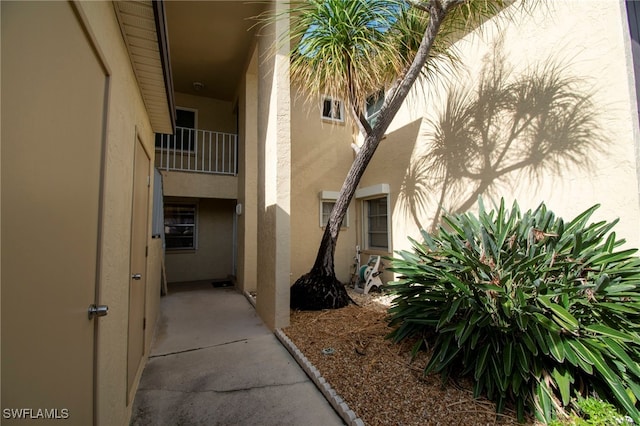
[210,43]
[144,44]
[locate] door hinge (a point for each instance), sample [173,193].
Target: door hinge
[146,251]
[148,181]
[144,323]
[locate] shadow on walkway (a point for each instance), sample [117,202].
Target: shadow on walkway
[214,362]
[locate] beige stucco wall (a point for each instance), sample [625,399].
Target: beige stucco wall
[592,45]
[126,121]
[213,257]
[321,155]
[274,174]
[248,177]
[213,114]
[154,281]
[197,185]
[126,118]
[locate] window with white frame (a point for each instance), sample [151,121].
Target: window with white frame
[377,223]
[376,228]
[332,109]
[327,201]
[180,226]
[374,104]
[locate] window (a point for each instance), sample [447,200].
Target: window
[327,201]
[376,223]
[185,135]
[180,226]
[374,103]
[325,207]
[332,109]
[376,229]
[186,118]
[325,210]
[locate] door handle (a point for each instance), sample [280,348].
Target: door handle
[136,276]
[98,311]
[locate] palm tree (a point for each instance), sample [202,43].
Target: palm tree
[350,49]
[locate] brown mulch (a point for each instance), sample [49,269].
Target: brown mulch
[376,377]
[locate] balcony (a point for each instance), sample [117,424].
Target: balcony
[198,151]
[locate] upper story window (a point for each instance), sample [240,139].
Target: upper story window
[332,109]
[186,118]
[185,135]
[374,104]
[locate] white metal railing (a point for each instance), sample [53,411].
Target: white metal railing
[195,150]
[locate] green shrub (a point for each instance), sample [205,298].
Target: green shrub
[536,310]
[594,412]
[600,413]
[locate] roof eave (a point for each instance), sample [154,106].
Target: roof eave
[144,32]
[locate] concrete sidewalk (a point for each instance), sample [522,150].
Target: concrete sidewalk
[214,362]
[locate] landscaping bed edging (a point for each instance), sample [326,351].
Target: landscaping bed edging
[338,404]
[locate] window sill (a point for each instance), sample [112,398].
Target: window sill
[180,251]
[332,121]
[375,252]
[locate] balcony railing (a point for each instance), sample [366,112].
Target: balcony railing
[200,151]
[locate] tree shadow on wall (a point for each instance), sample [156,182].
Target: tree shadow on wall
[506,129]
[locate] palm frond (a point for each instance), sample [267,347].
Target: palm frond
[349,49]
[341,44]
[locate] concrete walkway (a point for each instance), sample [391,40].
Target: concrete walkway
[214,362]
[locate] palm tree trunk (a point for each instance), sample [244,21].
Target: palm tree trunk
[320,289]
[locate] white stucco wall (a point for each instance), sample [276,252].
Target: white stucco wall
[274,174]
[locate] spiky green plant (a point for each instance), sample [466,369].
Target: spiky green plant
[536,310]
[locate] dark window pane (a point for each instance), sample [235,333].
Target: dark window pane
[185,118]
[332,108]
[327,206]
[377,228]
[374,103]
[180,226]
[378,240]
[326,108]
